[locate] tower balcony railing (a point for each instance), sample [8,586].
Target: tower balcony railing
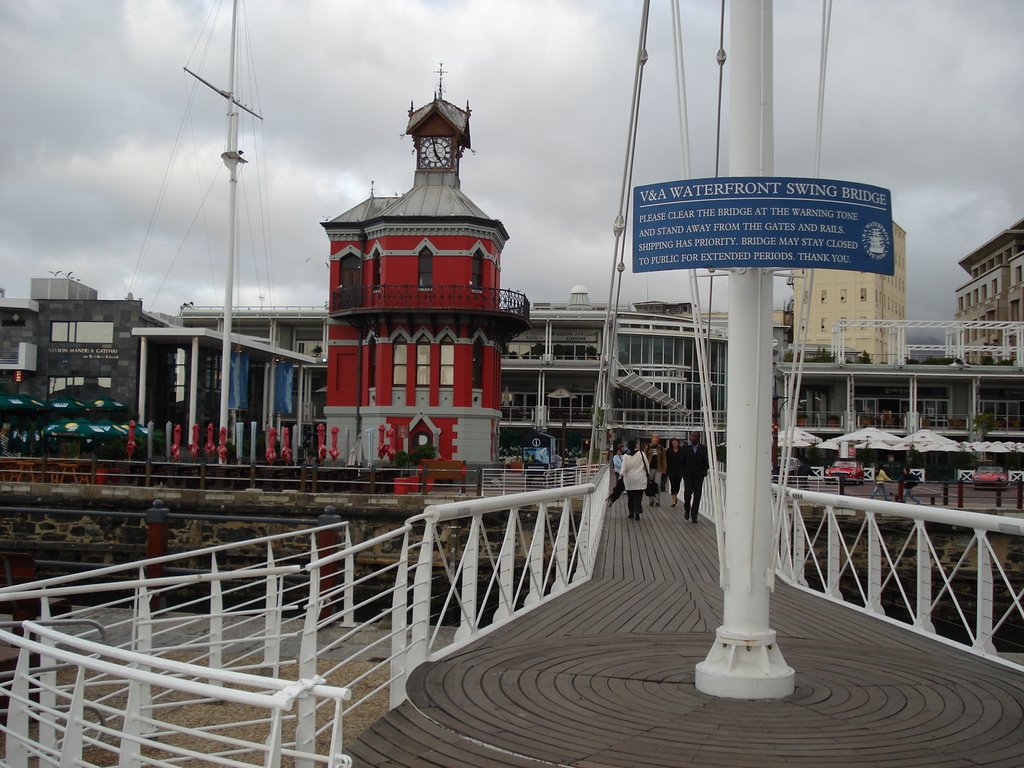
[446,297]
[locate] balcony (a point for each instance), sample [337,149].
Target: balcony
[372,300]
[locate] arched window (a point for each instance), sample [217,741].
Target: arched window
[376,270]
[426,267]
[350,269]
[477,279]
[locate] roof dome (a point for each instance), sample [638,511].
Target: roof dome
[579,296]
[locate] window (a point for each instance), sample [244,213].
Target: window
[478,270]
[422,365]
[863,294]
[447,364]
[478,364]
[371,362]
[842,295]
[84,386]
[350,267]
[82,332]
[426,268]
[823,324]
[376,270]
[824,295]
[400,366]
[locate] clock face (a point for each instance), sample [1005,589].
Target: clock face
[435,152]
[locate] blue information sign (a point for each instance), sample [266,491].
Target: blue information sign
[761,221]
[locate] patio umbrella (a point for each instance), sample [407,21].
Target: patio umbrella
[286,446]
[801,438]
[193,447]
[222,446]
[20,403]
[997,446]
[321,432]
[927,435]
[176,444]
[334,444]
[72,428]
[65,405]
[271,452]
[868,435]
[105,404]
[560,394]
[131,439]
[209,447]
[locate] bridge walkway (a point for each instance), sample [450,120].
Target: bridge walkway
[603,678]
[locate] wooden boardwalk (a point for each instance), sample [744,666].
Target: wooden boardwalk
[603,677]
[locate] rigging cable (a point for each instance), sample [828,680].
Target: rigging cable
[795,379]
[701,335]
[618,250]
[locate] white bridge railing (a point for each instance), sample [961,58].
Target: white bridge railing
[193,659]
[950,574]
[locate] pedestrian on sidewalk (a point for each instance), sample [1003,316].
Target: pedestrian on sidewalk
[880,480]
[635,474]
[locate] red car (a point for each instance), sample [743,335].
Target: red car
[990,476]
[850,469]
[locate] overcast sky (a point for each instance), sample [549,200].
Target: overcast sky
[108,151]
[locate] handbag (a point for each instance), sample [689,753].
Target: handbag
[652,485]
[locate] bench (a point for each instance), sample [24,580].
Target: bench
[443,471]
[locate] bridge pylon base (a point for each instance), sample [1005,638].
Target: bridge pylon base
[747,666]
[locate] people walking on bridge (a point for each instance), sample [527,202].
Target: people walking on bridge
[674,459]
[695,468]
[880,480]
[656,459]
[635,473]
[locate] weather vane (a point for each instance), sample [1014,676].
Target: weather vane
[440,80]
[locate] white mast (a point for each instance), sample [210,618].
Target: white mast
[232,157]
[745,661]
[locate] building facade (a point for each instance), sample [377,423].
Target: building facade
[845,295]
[64,341]
[994,293]
[418,317]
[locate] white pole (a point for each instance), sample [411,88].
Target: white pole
[745,661]
[231,158]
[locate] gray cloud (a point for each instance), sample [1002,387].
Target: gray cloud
[920,99]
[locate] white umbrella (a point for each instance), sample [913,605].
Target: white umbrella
[927,435]
[561,393]
[829,445]
[997,447]
[869,434]
[801,438]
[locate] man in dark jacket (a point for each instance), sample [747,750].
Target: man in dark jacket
[695,469]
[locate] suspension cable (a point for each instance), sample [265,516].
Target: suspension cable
[618,249]
[795,381]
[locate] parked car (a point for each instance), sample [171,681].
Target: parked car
[850,469]
[990,476]
[797,468]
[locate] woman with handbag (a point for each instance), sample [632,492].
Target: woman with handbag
[635,474]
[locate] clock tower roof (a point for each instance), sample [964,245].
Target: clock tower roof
[440,117]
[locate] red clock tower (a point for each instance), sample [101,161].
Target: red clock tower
[418,314]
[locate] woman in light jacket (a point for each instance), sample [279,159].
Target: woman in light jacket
[635,471]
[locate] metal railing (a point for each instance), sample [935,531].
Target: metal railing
[448,297]
[949,574]
[188,631]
